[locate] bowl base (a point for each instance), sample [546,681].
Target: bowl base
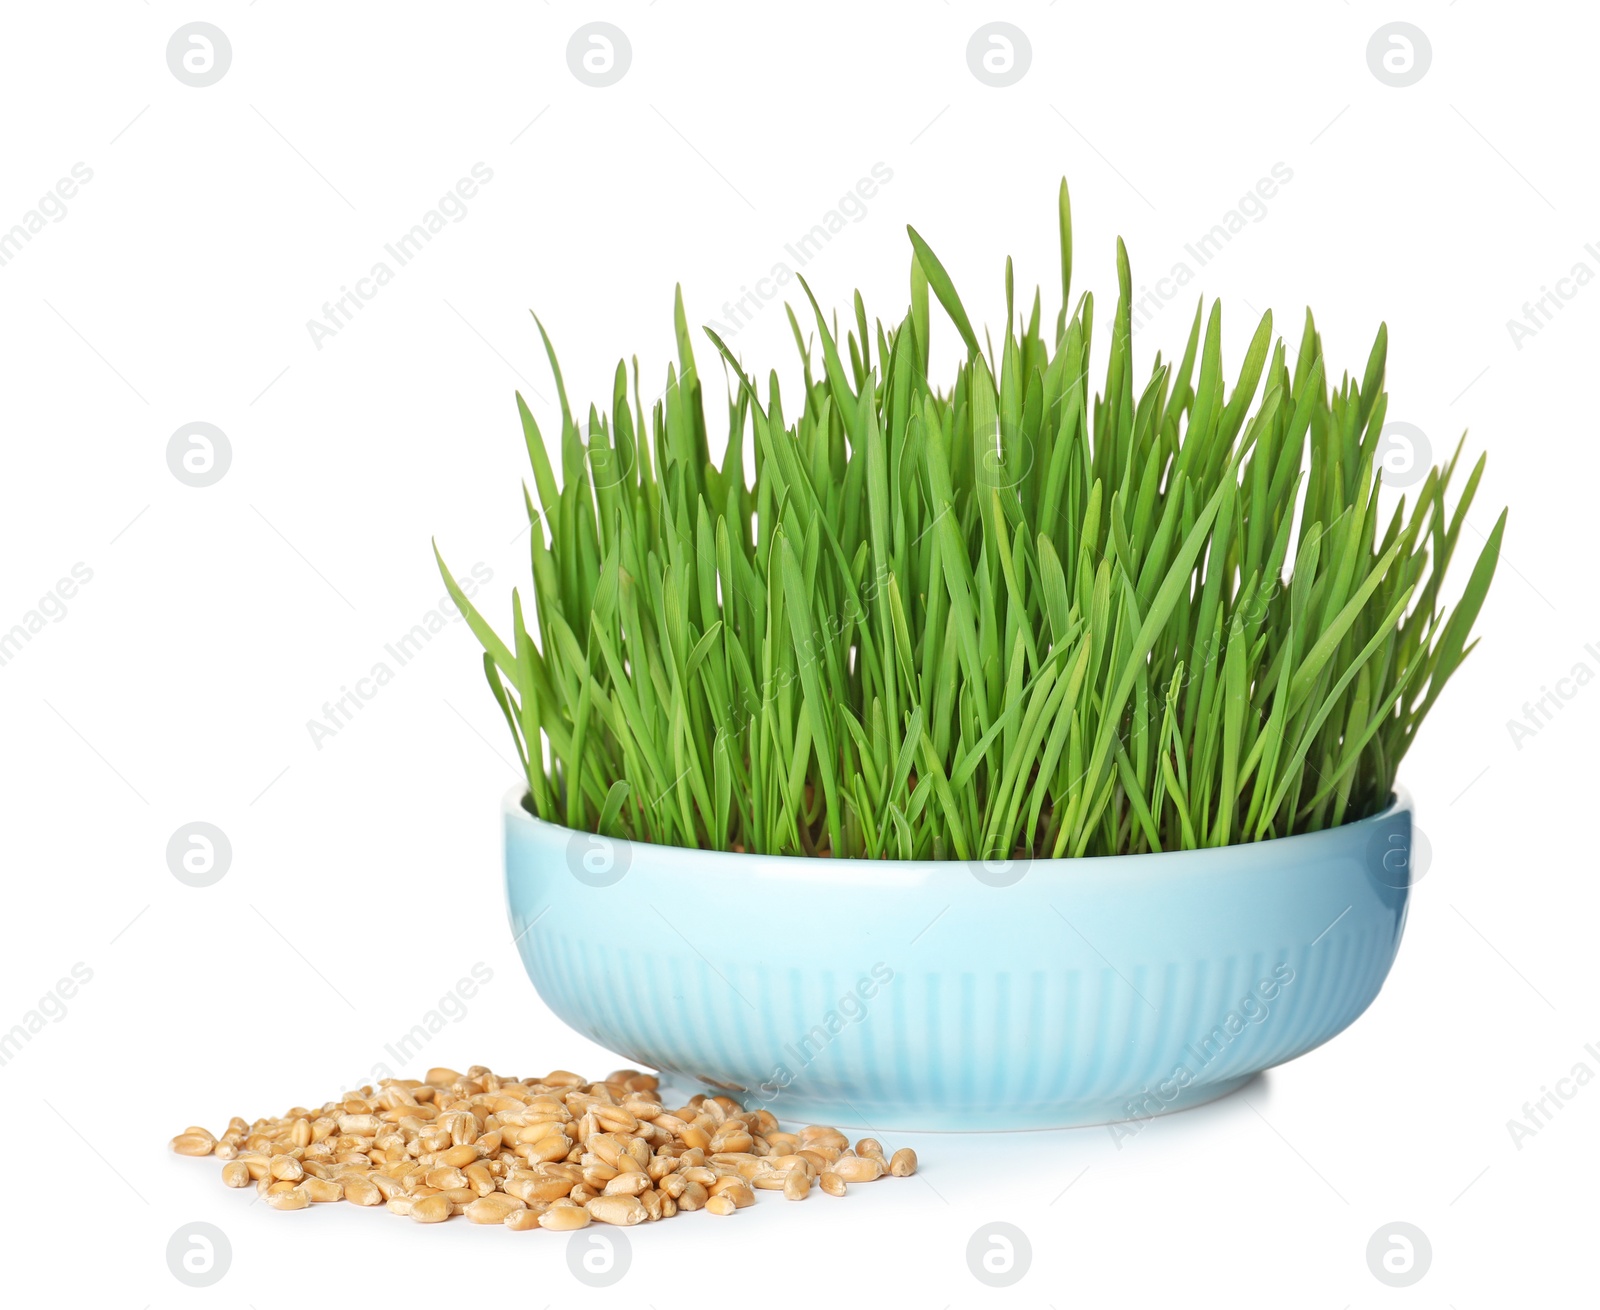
[795,1108]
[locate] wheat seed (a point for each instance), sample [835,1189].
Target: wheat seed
[564,1218]
[492,1209]
[858,1168]
[322,1190]
[431,1209]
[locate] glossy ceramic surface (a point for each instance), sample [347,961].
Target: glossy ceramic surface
[941,995]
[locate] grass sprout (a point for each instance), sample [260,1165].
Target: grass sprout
[1011,617]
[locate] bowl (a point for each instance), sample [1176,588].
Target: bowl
[951,995]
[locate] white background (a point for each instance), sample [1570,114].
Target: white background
[364,878]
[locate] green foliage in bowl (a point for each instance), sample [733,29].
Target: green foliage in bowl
[1008,617]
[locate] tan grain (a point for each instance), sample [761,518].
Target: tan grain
[555,1152]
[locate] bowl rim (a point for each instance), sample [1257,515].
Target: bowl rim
[1400,802]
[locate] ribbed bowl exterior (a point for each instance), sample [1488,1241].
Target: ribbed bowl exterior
[937,995]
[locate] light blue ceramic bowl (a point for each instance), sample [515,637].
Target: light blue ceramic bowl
[935,995]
